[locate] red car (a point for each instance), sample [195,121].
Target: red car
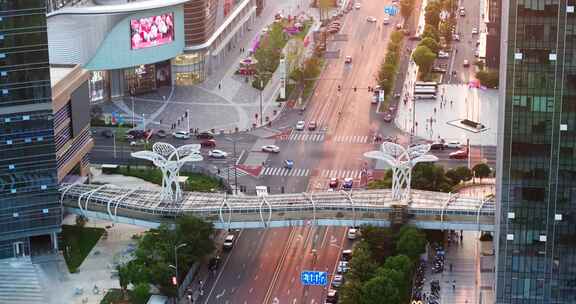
[333,183]
[208,143]
[460,154]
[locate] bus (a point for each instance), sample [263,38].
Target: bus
[424,96]
[426,84]
[419,89]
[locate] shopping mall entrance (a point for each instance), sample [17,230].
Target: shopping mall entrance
[147,78]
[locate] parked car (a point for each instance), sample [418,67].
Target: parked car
[453,144]
[456,37]
[181,134]
[300,125]
[439,70]
[332,296]
[205,135]
[371,19]
[352,233]
[271,149]
[462,11]
[460,154]
[137,134]
[476,53]
[388,117]
[161,133]
[312,126]
[214,263]
[343,267]
[229,241]
[386,20]
[415,37]
[357,6]
[442,54]
[208,143]
[466,63]
[474,31]
[399,26]
[337,281]
[288,164]
[348,60]
[333,183]
[346,254]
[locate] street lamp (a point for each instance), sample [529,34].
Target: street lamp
[176,268]
[261,90]
[235,171]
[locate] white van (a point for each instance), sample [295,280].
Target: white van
[352,233]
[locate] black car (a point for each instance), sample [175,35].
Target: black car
[161,133]
[107,133]
[214,263]
[437,146]
[137,134]
[205,135]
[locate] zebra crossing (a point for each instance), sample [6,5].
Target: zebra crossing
[271,171]
[306,136]
[355,174]
[229,172]
[353,139]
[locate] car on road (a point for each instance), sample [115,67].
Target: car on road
[415,37]
[357,6]
[208,143]
[337,281]
[300,125]
[346,254]
[181,134]
[348,183]
[465,63]
[205,135]
[136,134]
[399,26]
[437,146]
[439,70]
[386,20]
[474,31]
[462,11]
[460,154]
[214,263]
[453,144]
[107,133]
[312,126]
[476,53]
[352,233]
[456,37]
[229,241]
[333,30]
[442,54]
[371,19]
[388,117]
[217,154]
[343,267]
[348,60]
[161,133]
[334,182]
[271,149]
[332,296]
[288,164]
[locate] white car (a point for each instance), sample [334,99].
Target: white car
[352,233]
[442,54]
[474,31]
[342,267]
[371,19]
[357,6]
[271,149]
[386,20]
[228,242]
[456,37]
[300,125]
[217,154]
[476,53]
[337,281]
[181,134]
[453,144]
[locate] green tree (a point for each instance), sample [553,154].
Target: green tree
[464,173]
[362,267]
[380,242]
[428,176]
[396,37]
[453,175]
[431,44]
[141,293]
[411,242]
[431,32]
[424,58]
[489,79]
[445,30]
[325,6]
[294,55]
[481,171]
[123,278]
[401,281]
[401,263]
[380,290]
[351,292]
[432,13]
[406,8]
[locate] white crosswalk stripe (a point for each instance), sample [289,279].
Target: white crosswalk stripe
[306,136]
[273,171]
[353,139]
[355,174]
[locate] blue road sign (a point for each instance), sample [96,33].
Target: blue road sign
[391,10]
[319,278]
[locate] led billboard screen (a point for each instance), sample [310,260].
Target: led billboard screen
[152,31]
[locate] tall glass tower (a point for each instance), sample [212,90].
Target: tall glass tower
[29,202]
[536,242]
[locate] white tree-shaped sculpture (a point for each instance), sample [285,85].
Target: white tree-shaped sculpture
[402,161]
[169,160]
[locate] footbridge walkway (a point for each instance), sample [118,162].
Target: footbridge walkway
[427,209]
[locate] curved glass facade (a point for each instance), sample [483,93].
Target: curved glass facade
[188,68]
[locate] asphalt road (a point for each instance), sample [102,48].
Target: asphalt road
[467,44]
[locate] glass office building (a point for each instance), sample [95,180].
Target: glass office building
[30,211]
[536,243]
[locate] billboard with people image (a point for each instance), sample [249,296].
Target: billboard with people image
[152,31]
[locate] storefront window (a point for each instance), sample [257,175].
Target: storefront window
[99,86]
[140,79]
[187,59]
[188,68]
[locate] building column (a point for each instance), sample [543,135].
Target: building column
[54,239]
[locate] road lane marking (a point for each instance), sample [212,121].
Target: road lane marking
[222,270]
[278,268]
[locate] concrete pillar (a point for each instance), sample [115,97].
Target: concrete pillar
[54,239]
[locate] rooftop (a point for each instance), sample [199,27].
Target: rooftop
[108,6]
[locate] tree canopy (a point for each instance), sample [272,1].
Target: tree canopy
[380,290]
[481,170]
[424,58]
[431,44]
[411,242]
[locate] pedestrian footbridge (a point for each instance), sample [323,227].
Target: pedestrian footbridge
[427,209]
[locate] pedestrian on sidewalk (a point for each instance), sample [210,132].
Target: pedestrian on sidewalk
[219,85]
[454,285]
[450,267]
[434,110]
